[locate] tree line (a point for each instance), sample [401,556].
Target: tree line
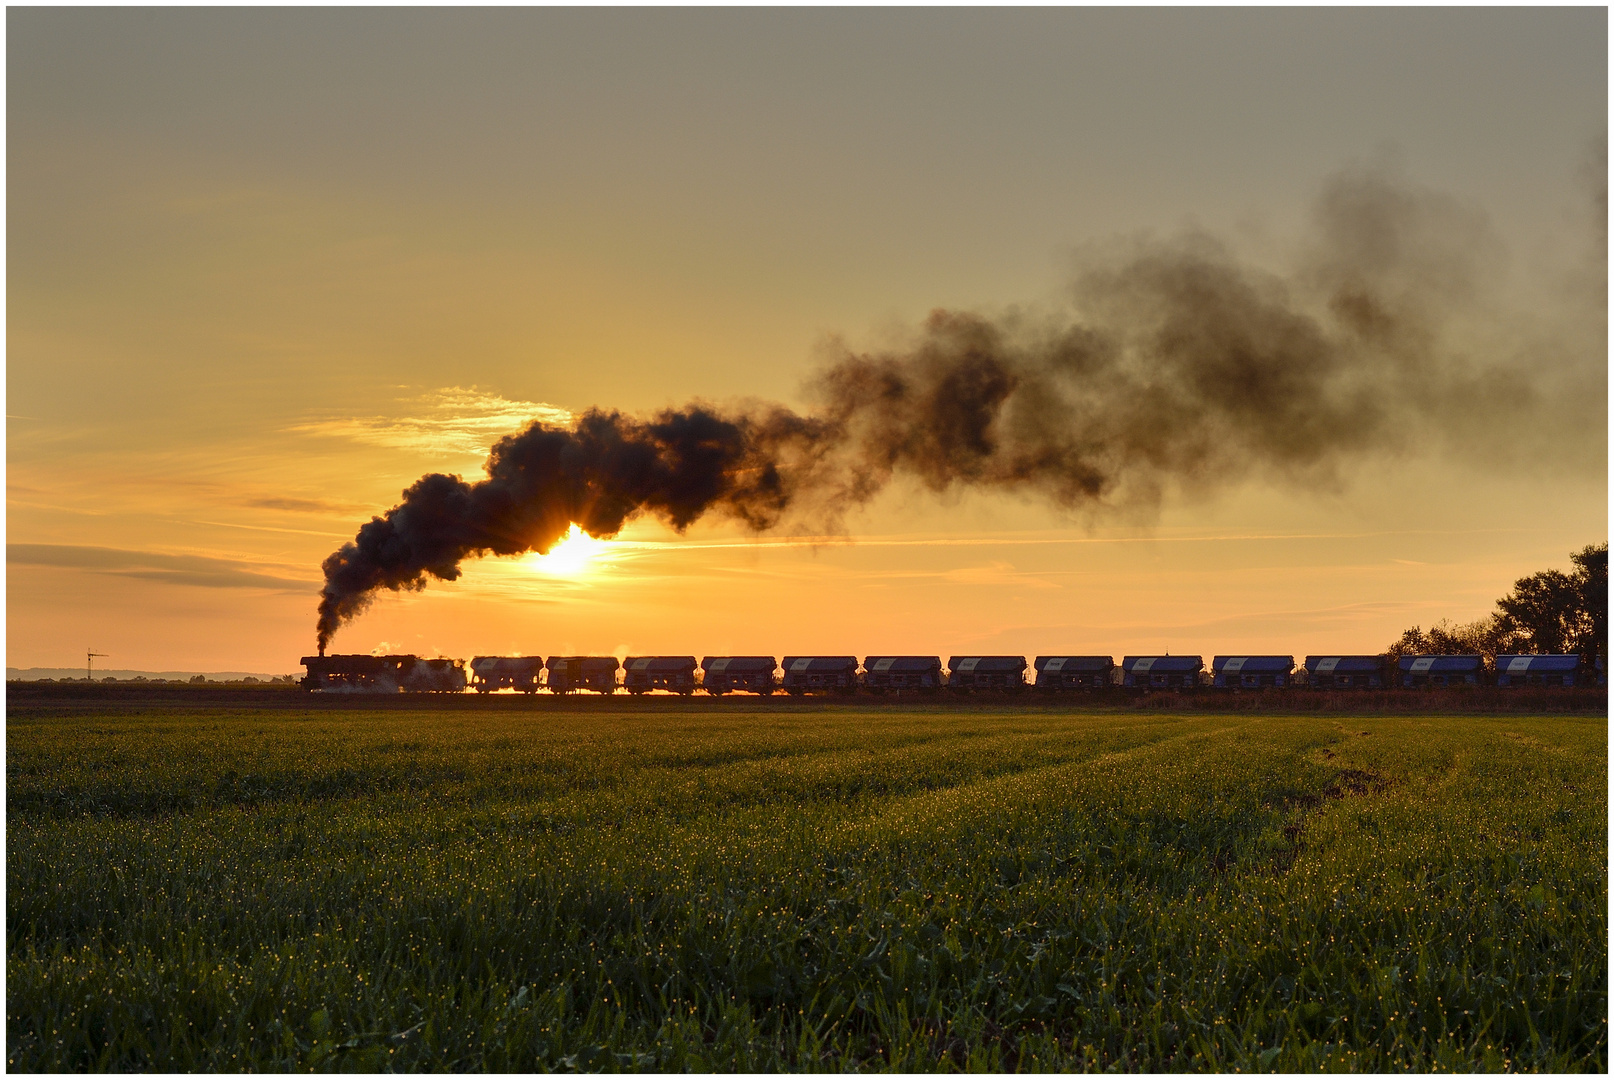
[1548,612]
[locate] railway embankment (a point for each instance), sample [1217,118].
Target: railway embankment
[1477,700]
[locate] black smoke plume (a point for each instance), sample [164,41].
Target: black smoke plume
[1175,367]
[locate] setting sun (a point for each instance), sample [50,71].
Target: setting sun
[572,556]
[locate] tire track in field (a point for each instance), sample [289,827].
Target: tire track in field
[931,805]
[564,777]
[849,777]
[931,815]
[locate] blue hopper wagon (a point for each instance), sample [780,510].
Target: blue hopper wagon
[1424,672]
[752,674]
[882,673]
[966,673]
[1547,669]
[1161,672]
[490,673]
[1251,672]
[1360,672]
[804,674]
[1074,672]
[643,673]
[569,674]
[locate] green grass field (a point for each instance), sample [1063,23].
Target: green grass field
[808,888]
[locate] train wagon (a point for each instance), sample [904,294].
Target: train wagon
[569,674]
[1359,672]
[490,673]
[753,674]
[882,673]
[1074,672]
[1161,672]
[355,673]
[643,673]
[805,674]
[1251,672]
[1541,669]
[966,673]
[1423,672]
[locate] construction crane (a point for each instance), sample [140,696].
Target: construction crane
[89,663]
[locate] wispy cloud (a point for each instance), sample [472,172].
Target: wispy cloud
[1016,541]
[198,570]
[300,506]
[269,528]
[449,421]
[1278,621]
[996,573]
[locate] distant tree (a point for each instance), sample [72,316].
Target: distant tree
[1591,572]
[1547,612]
[1481,637]
[1542,613]
[198,679]
[1411,643]
[1555,612]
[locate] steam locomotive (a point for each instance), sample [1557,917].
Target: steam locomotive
[719,675]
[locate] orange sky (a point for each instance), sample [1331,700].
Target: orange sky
[265,269]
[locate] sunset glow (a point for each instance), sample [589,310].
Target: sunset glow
[574,555]
[237,334]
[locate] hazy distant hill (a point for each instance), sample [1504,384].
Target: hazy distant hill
[32,673]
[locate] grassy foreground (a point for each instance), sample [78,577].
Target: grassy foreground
[786,888]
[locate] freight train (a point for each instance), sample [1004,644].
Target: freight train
[718,675]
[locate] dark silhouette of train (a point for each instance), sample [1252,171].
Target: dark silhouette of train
[718,675]
[360,674]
